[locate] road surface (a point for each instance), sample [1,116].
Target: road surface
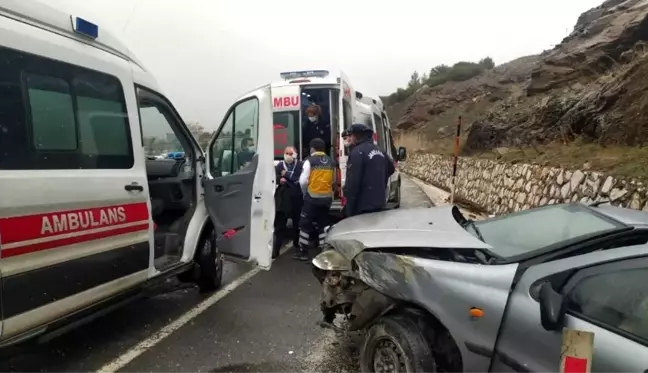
[258,322]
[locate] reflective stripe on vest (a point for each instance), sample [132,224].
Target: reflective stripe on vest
[321,178]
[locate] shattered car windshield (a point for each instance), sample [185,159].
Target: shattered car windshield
[529,230]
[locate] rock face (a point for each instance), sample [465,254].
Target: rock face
[501,188]
[593,85]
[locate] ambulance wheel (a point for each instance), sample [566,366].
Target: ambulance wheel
[210,264]
[397,200]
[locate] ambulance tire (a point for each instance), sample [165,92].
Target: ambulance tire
[210,264]
[397,199]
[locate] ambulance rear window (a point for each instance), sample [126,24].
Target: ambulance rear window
[286,131]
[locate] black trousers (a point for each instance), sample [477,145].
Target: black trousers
[314,218]
[282,232]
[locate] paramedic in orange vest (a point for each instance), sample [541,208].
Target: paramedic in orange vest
[316,181]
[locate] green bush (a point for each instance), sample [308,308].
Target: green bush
[440,74]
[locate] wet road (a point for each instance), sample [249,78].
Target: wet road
[266,324]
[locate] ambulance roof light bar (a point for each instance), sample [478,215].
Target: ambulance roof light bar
[290,75]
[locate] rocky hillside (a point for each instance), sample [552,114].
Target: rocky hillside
[592,88]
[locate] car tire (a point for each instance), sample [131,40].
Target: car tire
[210,262]
[397,200]
[396,344]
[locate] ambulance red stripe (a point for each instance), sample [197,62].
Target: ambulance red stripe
[41,246]
[30,227]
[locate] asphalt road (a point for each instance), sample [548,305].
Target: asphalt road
[266,324]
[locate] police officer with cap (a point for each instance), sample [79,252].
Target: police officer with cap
[368,171]
[346,138]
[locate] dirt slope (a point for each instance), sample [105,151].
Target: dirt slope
[591,88]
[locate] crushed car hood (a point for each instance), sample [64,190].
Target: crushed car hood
[417,227]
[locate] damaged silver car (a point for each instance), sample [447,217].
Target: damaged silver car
[433,291]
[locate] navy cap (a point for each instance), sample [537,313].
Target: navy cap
[359,128]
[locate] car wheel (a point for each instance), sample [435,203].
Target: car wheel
[396,344]
[398,197]
[210,262]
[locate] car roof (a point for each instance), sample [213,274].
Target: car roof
[624,215]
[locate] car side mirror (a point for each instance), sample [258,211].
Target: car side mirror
[552,308]
[402,154]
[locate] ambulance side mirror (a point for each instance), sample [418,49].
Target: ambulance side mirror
[402,154]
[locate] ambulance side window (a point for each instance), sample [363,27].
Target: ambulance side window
[380,132]
[50,101]
[55,115]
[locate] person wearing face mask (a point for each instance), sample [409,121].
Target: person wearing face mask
[316,181]
[247,152]
[346,139]
[288,200]
[317,127]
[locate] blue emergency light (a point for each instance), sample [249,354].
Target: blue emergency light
[304,74]
[85,28]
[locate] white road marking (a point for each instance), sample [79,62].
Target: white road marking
[156,338]
[166,331]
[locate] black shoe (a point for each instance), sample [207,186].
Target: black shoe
[303,257]
[299,253]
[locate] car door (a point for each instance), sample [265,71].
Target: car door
[239,183]
[602,292]
[346,109]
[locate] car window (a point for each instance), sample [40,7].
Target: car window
[235,144]
[617,299]
[55,115]
[529,230]
[159,135]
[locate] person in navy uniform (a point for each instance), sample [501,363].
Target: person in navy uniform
[316,180]
[288,200]
[367,174]
[317,127]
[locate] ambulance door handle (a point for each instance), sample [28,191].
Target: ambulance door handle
[133,187]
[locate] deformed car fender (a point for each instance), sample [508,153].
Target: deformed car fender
[336,255]
[447,290]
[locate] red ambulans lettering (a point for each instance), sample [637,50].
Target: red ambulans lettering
[285,102]
[71,221]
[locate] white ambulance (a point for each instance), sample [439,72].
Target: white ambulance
[371,112]
[341,107]
[90,214]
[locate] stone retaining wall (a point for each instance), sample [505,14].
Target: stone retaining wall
[502,188]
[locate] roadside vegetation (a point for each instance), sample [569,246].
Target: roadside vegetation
[440,74]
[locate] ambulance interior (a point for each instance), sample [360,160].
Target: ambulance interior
[288,131]
[171,180]
[287,127]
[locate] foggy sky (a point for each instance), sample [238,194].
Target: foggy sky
[206,53]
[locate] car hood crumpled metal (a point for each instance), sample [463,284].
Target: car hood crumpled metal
[416,227]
